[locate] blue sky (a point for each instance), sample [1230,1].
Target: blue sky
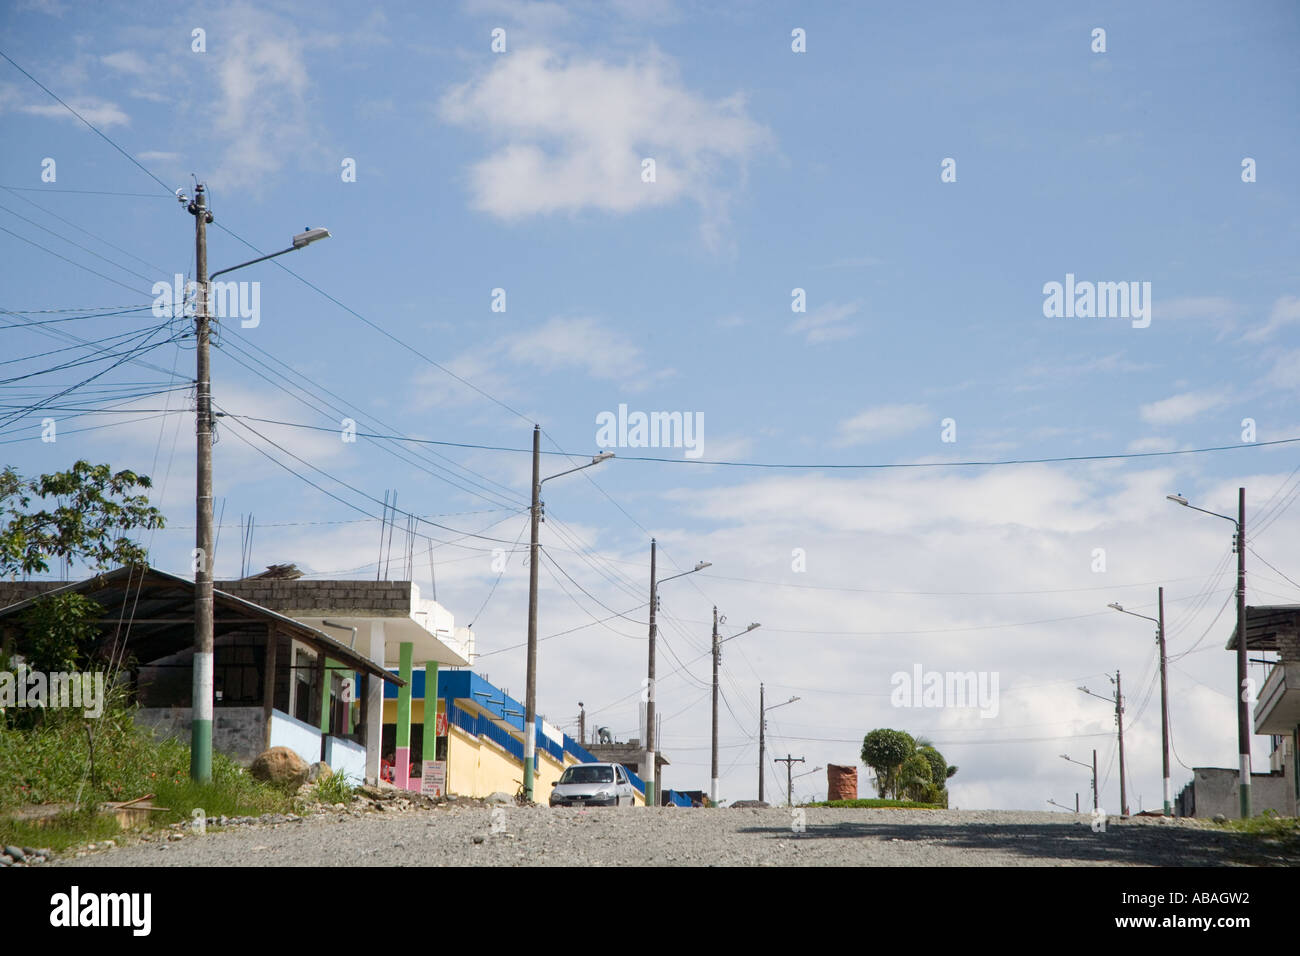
[775,171]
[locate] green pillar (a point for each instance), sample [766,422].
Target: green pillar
[404,717]
[430,716]
[330,667]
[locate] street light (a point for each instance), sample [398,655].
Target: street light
[1164,693]
[1118,701]
[530,695]
[1095,797]
[762,733]
[717,660]
[1243,708]
[649,767]
[300,241]
[201,712]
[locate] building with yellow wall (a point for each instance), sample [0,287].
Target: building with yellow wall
[479,734]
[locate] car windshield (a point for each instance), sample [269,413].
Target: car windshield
[588,775]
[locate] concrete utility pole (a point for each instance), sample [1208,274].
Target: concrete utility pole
[582,723]
[1243,704]
[1096,797]
[762,728]
[713,771]
[1118,701]
[204,556]
[1164,692]
[762,733]
[789,762]
[1164,708]
[201,695]
[530,694]
[1119,719]
[650,766]
[717,660]
[649,773]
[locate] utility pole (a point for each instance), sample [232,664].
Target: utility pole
[649,778]
[1243,705]
[201,702]
[1076,801]
[762,726]
[1096,797]
[762,729]
[582,723]
[1164,692]
[789,762]
[717,653]
[1164,709]
[530,695]
[1118,701]
[1119,719]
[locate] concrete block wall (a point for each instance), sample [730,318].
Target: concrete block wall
[344,598]
[238,732]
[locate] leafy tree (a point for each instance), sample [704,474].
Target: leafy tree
[84,513]
[884,751]
[60,628]
[914,780]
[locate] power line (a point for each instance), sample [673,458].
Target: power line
[89,124]
[813,466]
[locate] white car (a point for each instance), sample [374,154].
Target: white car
[593,785]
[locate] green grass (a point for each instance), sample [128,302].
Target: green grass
[335,789]
[1269,826]
[49,763]
[58,833]
[874,803]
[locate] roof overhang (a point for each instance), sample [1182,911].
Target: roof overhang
[1264,624]
[425,645]
[145,607]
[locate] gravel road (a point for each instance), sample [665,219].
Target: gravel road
[538,836]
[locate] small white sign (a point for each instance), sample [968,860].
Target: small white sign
[435,778]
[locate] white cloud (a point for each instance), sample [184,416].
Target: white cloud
[1286,311]
[582,343]
[827,324]
[882,421]
[1177,409]
[1286,370]
[571,135]
[126,61]
[560,344]
[99,112]
[261,113]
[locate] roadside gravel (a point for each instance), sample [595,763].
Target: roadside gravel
[451,835]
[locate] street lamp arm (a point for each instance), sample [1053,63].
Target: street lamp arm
[1134,613]
[604,456]
[300,241]
[752,627]
[252,262]
[699,567]
[1183,501]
